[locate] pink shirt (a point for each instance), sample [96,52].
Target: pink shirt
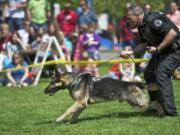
[175,18]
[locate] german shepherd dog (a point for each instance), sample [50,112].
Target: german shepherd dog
[84,90]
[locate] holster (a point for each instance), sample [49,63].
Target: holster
[152,87]
[176,45]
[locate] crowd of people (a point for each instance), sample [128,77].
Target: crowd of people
[26,24]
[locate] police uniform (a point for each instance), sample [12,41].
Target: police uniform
[160,68]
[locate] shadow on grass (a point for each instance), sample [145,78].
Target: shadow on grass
[124,115]
[44,122]
[119,115]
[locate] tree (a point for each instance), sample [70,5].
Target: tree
[117,7]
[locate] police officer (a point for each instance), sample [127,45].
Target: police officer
[162,39]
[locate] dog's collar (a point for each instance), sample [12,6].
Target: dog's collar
[74,83]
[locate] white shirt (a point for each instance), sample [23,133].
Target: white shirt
[13,12]
[103,21]
[24,35]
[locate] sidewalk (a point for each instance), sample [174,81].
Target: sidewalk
[105,55]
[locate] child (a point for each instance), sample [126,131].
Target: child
[90,43]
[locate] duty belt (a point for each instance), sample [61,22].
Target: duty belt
[176,44]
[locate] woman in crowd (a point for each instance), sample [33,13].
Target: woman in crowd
[34,39]
[79,51]
[15,45]
[53,31]
[17,78]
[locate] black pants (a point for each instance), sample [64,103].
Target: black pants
[160,70]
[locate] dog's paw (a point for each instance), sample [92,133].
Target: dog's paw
[59,120]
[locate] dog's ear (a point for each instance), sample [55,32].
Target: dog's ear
[52,73]
[57,73]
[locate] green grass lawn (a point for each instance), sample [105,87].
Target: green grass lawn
[29,111]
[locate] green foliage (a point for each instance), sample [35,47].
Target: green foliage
[117,7]
[75,3]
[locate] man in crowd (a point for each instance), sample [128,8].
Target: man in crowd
[87,16]
[14,12]
[67,19]
[39,13]
[174,14]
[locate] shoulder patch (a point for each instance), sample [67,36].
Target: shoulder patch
[157,23]
[161,13]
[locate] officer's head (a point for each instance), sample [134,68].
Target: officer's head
[135,15]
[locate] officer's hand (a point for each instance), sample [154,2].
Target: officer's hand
[152,49]
[125,54]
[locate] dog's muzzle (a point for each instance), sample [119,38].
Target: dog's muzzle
[45,91]
[49,93]
[51,89]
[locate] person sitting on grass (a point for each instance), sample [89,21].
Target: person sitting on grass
[17,78]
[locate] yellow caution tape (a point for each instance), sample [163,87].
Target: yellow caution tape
[60,61]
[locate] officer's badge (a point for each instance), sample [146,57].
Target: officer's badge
[161,13]
[157,23]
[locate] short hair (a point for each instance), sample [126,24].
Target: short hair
[4,26]
[20,55]
[82,2]
[136,9]
[68,4]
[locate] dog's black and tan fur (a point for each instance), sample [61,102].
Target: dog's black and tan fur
[84,90]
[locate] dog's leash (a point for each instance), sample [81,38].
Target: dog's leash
[132,59]
[113,59]
[99,65]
